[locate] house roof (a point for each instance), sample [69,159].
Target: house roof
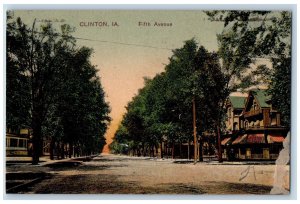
[237,101]
[275,139]
[249,139]
[225,141]
[261,97]
[239,139]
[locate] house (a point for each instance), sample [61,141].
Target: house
[234,106]
[258,111]
[259,134]
[17,143]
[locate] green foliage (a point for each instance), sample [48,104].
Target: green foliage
[80,102]
[118,148]
[280,88]
[53,88]
[249,35]
[121,142]
[163,108]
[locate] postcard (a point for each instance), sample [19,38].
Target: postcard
[185,102]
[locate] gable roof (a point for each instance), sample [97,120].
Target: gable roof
[261,97]
[237,101]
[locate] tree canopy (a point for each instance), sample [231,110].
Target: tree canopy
[163,108]
[251,35]
[251,41]
[53,89]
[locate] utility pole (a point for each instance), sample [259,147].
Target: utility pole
[195,132]
[200,144]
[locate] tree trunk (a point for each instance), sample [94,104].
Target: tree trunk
[195,131]
[143,152]
[70,149]
[180,150]
[52,144]
[154,150]
[219,146]
[201,150]
[36,141]
[57,150]
[188,149]
[62,151]
[167,152]
[161,150]
[173,150]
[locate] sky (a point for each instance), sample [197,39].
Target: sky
[128,45]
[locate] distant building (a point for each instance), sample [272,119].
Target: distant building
[254,131]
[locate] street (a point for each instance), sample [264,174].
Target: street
[113,174]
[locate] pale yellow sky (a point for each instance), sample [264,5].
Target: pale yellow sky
[122,67]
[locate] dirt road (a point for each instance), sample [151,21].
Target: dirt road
[111,174]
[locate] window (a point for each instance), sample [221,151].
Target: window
[13,142]
[229,112]
[235,126]
[21,143]
[248,153]
[255,106]
[266,153]
[242,151]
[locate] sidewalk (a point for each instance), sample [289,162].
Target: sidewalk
[206,161]
[44,160]
[241,163]
[25,159]
[215,162]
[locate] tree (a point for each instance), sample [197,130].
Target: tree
[80,102]
[249,35]
[66,97]
[120,145]
[35,52]
[163,108]
[17,86]
[195,74]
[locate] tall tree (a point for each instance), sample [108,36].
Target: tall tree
[249,35]
[65,91]
[36,52]
[163,108]
[17,85]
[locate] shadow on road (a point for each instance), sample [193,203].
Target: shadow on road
[105,175]
[18,182]
[110,160]
[87,184]
[80,166]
